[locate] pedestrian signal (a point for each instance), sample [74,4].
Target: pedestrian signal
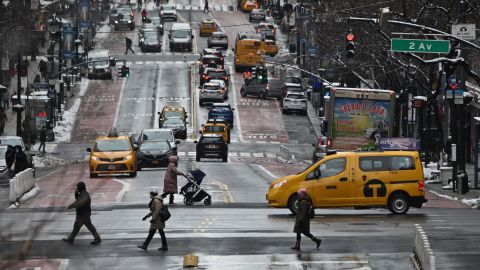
[125,72]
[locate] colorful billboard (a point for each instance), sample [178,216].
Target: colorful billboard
[411,144]
[69,35]
[359,122]
[84,11]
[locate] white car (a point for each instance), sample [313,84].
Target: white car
[211,92]
[294,101]
[3,163]
[168,12]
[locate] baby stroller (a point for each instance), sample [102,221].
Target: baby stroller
[192,192]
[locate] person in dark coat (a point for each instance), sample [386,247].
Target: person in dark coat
[205,8]
[170,181]
[83,211]
[3,120]
[43,139]
[21,162]
[10,158]
[156,203]
[128,43]
[302,219]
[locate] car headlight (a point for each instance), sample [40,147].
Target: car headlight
[279,184]
[129,21]
[116,21]
[96,158]
[3,168]
[128,157]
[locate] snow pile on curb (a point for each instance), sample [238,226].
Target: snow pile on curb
[48,161]
[430,174]
[31,194]
[63,129]
[474,203]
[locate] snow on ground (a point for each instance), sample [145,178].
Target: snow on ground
[63,129]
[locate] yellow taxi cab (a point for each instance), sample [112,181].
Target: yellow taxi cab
[172,111]
[207,27]
[270,47]
[392,179]
[216,127]
[249,5]
[112,154]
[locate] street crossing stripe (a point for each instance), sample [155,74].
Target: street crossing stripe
[230,154]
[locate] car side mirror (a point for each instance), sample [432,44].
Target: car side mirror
[233,109]
[233,49]
[186,123]
[169,36]
[195,141]
[89,150]
[200,131]
[193,36]
[177,141]
[199,87]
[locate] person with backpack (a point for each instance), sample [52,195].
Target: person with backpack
[302,219]
[128,43]
[156,223]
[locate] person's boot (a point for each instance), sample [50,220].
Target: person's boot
[68,240]
[143,246]
[163,248]
[297,246]
[317,241]
[97,240]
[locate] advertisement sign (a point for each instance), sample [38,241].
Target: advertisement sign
[84,13]
[359,121]
[408,144]
[68,42]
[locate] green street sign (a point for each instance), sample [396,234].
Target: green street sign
[420,45]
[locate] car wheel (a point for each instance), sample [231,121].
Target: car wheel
[197,158]
[398,204]
[243,93]
[293,204]
[188,201]
[207,201]
[262,95]
[139,168]
[133,174]
[284,111]
[93,175]
[225,158]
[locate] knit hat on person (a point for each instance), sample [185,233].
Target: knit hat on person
[154,193]
[81,186]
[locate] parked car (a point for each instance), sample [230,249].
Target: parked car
[168,12]
[212,145]
[292,87]
[257,15]
[16,140]
[294,101]
[154,153]
[222,111]
[218,40]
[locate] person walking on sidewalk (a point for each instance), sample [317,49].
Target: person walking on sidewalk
[43,139]
[128,43]
[205,8]
[83,211]
[155,205]
[21,162]
[302,219]
[170,181]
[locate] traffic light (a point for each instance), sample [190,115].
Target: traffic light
[349,45]
[125,71]
[261,73]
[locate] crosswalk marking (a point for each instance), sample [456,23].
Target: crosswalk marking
[189,155]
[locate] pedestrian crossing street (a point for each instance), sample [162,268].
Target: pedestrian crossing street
[130,63]
[193,155]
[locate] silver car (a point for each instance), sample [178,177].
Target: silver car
[294,101]
[211,92]
[257,15]
[3,163]
[218,40]
[168,12]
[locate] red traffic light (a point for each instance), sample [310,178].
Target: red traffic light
[350,37]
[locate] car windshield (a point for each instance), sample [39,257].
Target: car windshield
[3,150]
[155,145]
[293,80]
[219,82]
[295,89]
[173,121]
[181,34]
[295,96]
[151,39]
[214,129]
[212,87]
[172,113]
[220,109]
[208,24]
[157,135]
[112,145]
[212,140]
[12,141]
[219,37]
[99,61]
[168,8]
[216,74]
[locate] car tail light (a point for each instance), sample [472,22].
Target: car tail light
[329,142]
[221,58]
[268,86]
[421,185]
[258,30]
[225,78]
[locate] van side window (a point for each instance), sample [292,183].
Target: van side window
[402,163]
[332,167]
[374,164]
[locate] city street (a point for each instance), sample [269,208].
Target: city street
[238,231]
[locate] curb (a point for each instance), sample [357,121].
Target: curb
[462,201]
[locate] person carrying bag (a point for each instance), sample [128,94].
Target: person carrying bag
[157,222]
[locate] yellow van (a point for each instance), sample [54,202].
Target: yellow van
[220,128]
[392,179]
[207,27]
[248,53]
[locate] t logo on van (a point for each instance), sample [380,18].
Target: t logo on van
[379,186]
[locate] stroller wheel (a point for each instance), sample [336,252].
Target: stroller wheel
[207,201]
[187,201]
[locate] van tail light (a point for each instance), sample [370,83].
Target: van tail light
[268,86]
[421,185]
[221,58]
[225,78]
[258,30]
[329,142]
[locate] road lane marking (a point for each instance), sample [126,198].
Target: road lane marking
[238,126]
[64,264]
[157,92]
[192,102]
[125,188]
[119,103]
[443,228]
[244,154]
[267,171]
[258,155]
[227,196]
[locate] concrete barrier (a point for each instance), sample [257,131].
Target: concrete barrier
[21,184]
[423,256]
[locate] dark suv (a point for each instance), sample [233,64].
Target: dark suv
[222,111]
[212,145]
